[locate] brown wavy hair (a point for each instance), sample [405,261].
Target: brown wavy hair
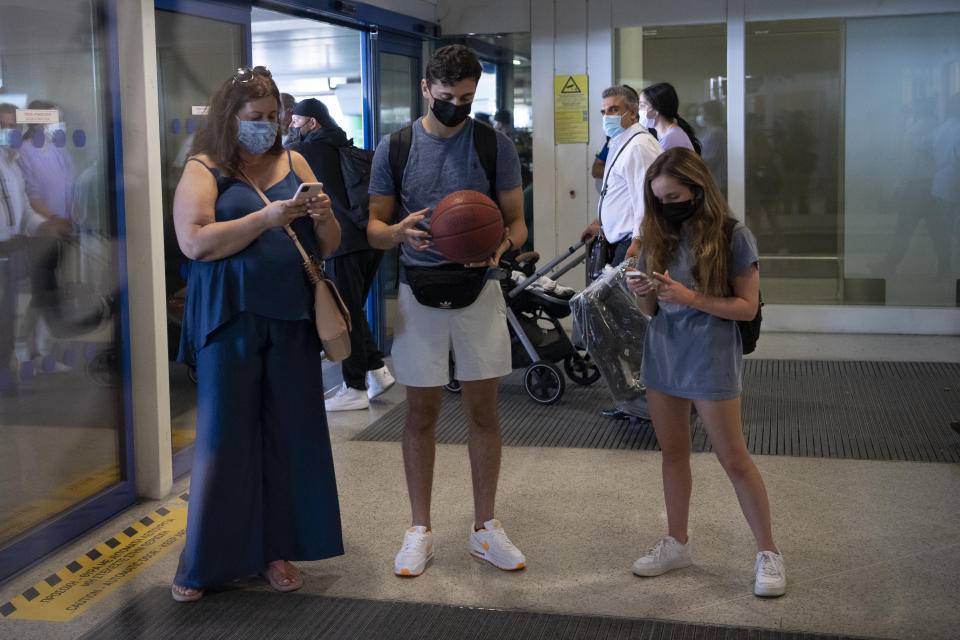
[706,228]
[219,138]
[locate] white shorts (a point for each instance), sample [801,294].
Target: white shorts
[477,335]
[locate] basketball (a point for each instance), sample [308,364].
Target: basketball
[467,227]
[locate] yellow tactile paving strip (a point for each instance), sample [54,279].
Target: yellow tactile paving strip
[70,591]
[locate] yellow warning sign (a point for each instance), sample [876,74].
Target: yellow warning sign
[73,589]
[570,86]
[571,109]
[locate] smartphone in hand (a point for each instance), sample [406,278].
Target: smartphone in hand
[308,190]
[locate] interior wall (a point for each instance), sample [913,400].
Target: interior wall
[493,16]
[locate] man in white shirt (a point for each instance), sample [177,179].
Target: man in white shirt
[17,219]
[631,150]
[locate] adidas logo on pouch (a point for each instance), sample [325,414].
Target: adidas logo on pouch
[445,304]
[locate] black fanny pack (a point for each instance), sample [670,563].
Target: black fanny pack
[450,286]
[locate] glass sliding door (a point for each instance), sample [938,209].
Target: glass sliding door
[794,152]
[396,87]
[194,55]
[693,59]
[65,449]
[902,157]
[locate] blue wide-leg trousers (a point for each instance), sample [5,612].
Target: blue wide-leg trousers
[262,485]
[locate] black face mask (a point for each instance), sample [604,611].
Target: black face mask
[676,213]
[449,114]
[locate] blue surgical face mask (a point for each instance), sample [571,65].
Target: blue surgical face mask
[7,137]
[257,136]
[612,125]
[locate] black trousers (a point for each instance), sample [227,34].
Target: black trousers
[620,250]
[354,273]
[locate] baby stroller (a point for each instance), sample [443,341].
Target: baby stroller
[538,341]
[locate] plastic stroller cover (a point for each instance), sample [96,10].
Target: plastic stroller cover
[608,323]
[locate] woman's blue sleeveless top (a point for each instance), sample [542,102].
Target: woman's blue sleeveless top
[266,278]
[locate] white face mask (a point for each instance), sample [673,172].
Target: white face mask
[648,122]
[613,125]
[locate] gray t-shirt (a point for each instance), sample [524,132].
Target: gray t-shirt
[690,353]
[436,168]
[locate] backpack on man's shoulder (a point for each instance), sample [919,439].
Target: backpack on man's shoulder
[484,142]
[355,166]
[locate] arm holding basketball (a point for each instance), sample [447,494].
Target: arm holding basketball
[381,234]
[514,226]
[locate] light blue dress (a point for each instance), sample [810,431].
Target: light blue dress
[689,353]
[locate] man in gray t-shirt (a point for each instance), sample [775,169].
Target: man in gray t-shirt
[443,159]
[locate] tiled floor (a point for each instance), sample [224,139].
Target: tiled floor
[871,547]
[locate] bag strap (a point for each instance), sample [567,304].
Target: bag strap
[400,143]
[315,273]
[606,177]
[485,143]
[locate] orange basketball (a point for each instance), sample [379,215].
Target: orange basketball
[466,226]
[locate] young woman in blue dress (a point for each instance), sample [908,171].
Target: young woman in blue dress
[699,276]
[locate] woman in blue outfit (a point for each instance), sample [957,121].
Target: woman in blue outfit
[703,277]
[263,490]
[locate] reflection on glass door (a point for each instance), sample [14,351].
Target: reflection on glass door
[63,440]
[398,77]
[194,55]
[794,109]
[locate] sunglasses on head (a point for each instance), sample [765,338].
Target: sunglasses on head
[245,74]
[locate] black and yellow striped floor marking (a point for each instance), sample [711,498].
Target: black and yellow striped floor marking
[70,591]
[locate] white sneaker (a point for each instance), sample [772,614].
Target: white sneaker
[492,544]
[347,399]
[667,554]
[416,552]
[378,381]
[771,575]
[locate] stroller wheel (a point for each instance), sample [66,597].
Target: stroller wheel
[543,382]
[580,368]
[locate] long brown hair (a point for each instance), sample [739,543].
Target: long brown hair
[705,228]
[219,138]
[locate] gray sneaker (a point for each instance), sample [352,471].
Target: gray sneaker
[771,578]
[667,554]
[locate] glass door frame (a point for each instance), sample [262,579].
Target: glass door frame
[384,42]
[30,547]
[236,13]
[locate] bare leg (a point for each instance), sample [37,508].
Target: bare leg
[480,405]
[419,449]
[671,421]
[721,418]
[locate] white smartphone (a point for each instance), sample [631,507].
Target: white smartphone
[638,274]
[309,189]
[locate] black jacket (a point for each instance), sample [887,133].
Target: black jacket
[320,150]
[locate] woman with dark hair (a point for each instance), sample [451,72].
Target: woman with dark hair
[660,110]
[703,278]
[263,489]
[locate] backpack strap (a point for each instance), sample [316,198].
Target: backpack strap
[485,142]
[400,143]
